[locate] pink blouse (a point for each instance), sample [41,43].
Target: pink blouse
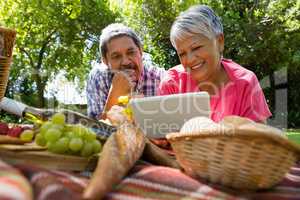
[241,96]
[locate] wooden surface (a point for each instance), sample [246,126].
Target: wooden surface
[34,155]
[4,139]
[23,147]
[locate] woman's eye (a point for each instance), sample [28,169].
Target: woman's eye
[196,48]
[181,54]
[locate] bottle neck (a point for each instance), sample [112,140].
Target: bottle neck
[37,113]
[34,115]
[33,111]
[22,110]
[13,107]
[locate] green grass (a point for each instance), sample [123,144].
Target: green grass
[292,131]
[293,135]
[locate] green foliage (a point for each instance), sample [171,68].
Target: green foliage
[52,35]
[262,36]
[152,20]
[251,28]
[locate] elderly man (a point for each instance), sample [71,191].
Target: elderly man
[124,70]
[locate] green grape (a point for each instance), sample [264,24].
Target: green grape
[27,135]
[79,130]
[40,140]
[87,149]
[69,134]
[90,135]
[52,134]
[75,144]
[96,146]
[45,127]
[58,127]
[50,146]
[61,145]
[58,118]
[67,128]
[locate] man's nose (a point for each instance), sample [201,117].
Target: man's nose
[125,61]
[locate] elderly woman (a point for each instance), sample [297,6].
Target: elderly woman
[197,35]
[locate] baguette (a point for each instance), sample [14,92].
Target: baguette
[120,152]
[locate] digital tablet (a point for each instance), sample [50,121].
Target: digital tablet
[160,115]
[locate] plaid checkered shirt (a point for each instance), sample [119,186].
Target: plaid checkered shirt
[100,80]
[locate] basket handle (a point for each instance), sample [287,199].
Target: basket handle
[7,41]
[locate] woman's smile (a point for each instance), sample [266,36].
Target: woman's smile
[198,66]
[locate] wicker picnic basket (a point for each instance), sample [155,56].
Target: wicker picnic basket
[7,41]
[239,153]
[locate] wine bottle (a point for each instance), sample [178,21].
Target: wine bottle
[37,115]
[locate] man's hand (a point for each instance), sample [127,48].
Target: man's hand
[123,84]
[124,81]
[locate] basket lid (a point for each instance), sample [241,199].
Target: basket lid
[235,126]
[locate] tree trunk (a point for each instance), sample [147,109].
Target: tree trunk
[40,90]
[272,91]
[40,83]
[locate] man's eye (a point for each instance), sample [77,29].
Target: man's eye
[115,57]
[131,52]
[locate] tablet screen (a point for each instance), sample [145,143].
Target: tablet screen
[160,115]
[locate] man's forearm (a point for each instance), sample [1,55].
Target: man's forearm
[112,99]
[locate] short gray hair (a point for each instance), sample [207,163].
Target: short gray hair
[199,19]
[116,30]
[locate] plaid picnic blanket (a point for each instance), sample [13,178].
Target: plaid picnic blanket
[13,185]
[287,189]
[52,185]
[150,182]
[163,183]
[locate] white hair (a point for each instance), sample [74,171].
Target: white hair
[113,31]
[199,19]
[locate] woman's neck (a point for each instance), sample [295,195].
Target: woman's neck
[217,81]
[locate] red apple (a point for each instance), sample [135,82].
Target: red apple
[15,131]
[3,128]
